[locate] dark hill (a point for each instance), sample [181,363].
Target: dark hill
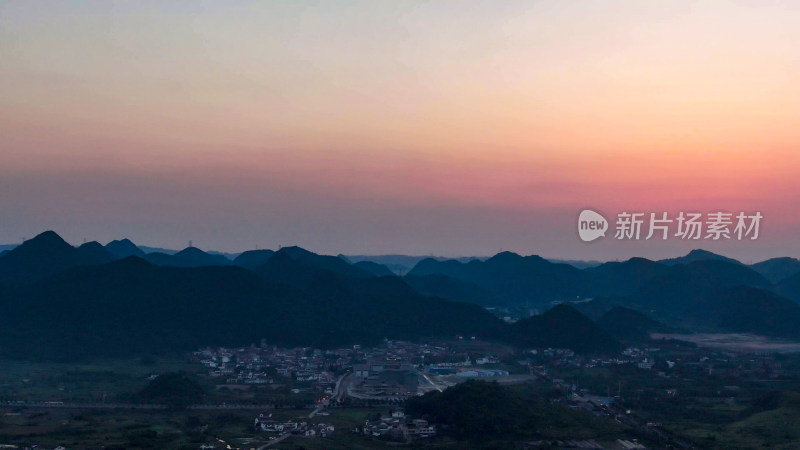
[374,268]
[622,278]
[629,325]
[282,268]
[400,264]
[130,307]
[252,259]
[790,287]
[323,262]
[44,255]
[188,257]
[514,278]
[562,327]
[680,290]
[123,248]
[176,390]
[451,289]
[95,251]
[697,255]
[750,310]
[716,295]
[777,269]
[596,307]
[431,266]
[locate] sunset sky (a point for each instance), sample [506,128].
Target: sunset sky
[445,127]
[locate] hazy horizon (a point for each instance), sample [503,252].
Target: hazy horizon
[420,255]
[380,127]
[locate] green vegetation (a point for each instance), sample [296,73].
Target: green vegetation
[772,421]
[479,410]
[89,382]
[174,389]
[131,429]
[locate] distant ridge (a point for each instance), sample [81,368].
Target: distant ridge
[124,248]
[148,250]
[401,264]
[44,255]
[443,286]
[700,291]
[514,278]
[95,252]
[374,268]
[778,269]
[322,262]
[697,255]
[188,257]
[622,278]
[577,263]
[133,307]
[252,259]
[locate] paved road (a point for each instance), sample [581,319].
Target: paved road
[315,411]
[273,442]
[435,386]
[338,392]
[337,396]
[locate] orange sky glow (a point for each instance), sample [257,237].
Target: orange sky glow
[446,127]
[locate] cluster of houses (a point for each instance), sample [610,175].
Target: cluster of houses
[379,380]
[396,427]
[260,365]
[643,358]
[267,424]
[390,371]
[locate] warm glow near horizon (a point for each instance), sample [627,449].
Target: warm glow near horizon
[442,127]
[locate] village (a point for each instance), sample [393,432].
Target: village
[273,395]
[386,375]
